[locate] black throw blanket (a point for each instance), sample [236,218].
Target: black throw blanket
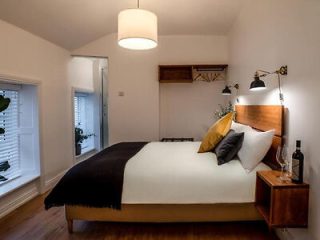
[96,182]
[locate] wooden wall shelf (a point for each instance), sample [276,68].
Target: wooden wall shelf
[184,73]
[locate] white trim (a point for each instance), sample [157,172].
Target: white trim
[284,234]
[20,200]
[6,77]
[17,183]
[49,184]
[16,79]
[86,155]
[10,86]
[88,56]
[82,90]
[73,94]
[27,196]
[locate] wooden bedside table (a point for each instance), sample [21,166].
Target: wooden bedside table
[281,204]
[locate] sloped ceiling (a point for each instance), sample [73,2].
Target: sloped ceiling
[74,23]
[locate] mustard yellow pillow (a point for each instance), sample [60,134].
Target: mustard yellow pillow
[215,133]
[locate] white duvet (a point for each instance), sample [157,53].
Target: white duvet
[174,173]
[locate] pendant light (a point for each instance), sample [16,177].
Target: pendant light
[137,29]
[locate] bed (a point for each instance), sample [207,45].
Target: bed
[171,182]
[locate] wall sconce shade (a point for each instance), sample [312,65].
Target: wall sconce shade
[257,84]
[137,29]
[226,91]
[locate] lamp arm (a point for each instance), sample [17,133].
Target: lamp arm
[236,86]
[283,70]
[263,71]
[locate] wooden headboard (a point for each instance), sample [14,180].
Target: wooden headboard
[264,118]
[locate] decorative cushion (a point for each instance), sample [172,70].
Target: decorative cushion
[254,147]
[229,146]
[238,127]
[215,134]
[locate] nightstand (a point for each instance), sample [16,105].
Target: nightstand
[281,204]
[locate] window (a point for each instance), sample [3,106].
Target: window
[83,119]
[19,145]
[9,142]
[80,102]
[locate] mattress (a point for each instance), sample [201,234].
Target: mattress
[174,173]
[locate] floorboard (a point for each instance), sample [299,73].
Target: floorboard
[31,221]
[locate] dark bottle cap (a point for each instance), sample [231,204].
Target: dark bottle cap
[298,144]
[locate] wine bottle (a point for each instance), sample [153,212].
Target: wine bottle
[297,164]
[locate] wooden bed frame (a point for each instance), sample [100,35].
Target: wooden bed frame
[262,117]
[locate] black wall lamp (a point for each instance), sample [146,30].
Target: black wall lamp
[227,90]
[257,84]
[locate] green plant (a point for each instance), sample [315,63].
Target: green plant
[4,104]
[224,110]
[4,166]
[79,136]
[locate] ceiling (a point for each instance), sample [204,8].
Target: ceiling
[74,23]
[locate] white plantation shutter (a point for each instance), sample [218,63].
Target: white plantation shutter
[79,111]
[76,111]
[9,141]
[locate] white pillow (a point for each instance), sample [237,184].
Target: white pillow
[238,127]
[254,147]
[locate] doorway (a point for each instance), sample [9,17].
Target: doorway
[89,80]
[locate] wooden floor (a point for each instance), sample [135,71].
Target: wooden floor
[31,222]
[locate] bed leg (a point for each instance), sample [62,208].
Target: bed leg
[70,225]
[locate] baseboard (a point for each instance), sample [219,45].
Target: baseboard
[20,200]
[49,184]
[285,234]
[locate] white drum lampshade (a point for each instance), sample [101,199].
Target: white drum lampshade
[137,29]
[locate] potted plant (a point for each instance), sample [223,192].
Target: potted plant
[4,165]
[224,110]
[79,137]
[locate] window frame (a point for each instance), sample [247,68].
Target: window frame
[85,99]
[94,149]
[33,171]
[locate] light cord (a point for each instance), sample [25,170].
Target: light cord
[280,90]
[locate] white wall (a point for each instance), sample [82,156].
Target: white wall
[135,116]
[187,109]
[266,35]
[80,73]
[24,55]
